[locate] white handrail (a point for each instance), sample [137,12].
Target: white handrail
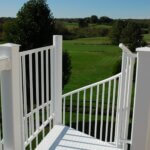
[126,50]
[36,50]
[91,85]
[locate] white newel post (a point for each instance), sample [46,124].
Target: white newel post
[56,79]
[121,99]
[141,127]
[11,99]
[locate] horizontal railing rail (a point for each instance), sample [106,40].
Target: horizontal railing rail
[36,50]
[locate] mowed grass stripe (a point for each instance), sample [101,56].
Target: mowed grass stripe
[90,62]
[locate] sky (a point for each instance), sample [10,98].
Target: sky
[84,8]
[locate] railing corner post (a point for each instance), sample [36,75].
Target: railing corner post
[11,99]
[57,79]
[141,122]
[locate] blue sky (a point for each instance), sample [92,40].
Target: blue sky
[84,8]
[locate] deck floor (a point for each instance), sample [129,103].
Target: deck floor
[65,138]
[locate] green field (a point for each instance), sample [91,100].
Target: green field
[93,59]
[75,25]
[147,37]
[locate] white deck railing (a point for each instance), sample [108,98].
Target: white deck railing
[28,99]
[92,109]
[37,105]
[32,101]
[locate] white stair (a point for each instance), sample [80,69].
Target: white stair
[65,138]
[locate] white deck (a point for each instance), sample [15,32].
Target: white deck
[65,138]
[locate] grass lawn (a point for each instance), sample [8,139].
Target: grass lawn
[147,37]
[75,25]
[93,59]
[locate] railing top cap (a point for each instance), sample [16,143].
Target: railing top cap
[10,45]
[126,50]
[143,49]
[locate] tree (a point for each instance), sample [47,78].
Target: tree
[116,32]
[34,27]
[94,19]
[132,36]
[83,23]
[105,20]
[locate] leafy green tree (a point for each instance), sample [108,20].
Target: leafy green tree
[132,36]
[94,19]
[34,25]
[116,32]
[33,28]
[83,23]
[105,20]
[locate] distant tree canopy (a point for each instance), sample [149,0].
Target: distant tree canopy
[105,20]
[127,32]
[94,19]
[61,29]
[33,28]
[83,23]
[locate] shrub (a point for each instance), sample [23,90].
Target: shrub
[105,20]
[103,31]
[83,23]
[66,67]
[94,19]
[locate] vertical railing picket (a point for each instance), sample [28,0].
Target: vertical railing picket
[96,111]
[102,111]
[84,107]
[108,110]
[90,112]
[71,110]
[37,94]
[113,111]
[78,101]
